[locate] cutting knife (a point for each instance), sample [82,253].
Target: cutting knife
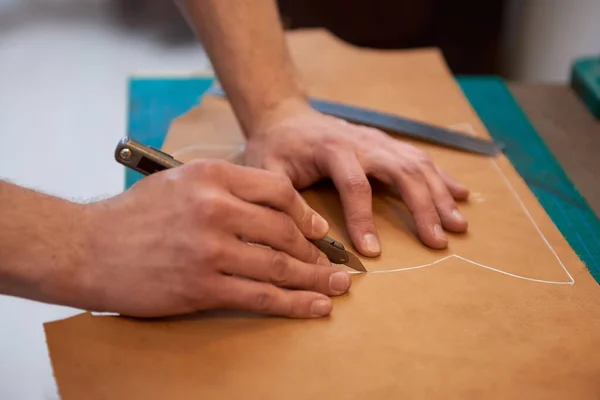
[337,253]
[148,160]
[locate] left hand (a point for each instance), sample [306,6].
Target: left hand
[308,146]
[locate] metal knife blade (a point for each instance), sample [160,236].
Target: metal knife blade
[337,253]
[147,161]
[354,263]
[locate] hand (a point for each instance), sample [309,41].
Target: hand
[307,146]
[177,242]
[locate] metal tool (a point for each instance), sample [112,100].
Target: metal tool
[399,125]
[337,253]
[148,160]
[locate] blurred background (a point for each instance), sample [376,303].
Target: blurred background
[64,66]
[64,63]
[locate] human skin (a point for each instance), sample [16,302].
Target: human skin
[175,243]
[245,42]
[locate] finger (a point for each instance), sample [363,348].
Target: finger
[450,216]
[272,228]
[355,194]
[264,298]
[413,188]
[458,191]
[276,191]
[275,267]
[280,169]
[275,167]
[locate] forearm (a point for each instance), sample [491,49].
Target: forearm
[41,245]
[245,41]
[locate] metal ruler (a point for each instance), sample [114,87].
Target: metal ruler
[155,101]
[399,125]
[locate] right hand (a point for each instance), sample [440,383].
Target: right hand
[177,242]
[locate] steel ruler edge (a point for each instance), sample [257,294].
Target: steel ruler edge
[399,125]
[154,102]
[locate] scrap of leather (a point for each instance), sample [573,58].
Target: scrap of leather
[507,311]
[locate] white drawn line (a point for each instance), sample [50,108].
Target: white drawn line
[516,195]
[383,271]
[387,271]
[514,192]
[571,282]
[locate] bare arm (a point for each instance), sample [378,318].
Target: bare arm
[115,255]
[41,245]
[245,41]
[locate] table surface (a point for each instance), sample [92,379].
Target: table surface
[570,131]
[537,165]
[154,101]
[554,112]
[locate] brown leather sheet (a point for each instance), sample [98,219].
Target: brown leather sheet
[507,311]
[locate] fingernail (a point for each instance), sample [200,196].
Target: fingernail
[439,232]
[319,225]
[458,216]
[320,308]
[339,282]
[323,260]
[371,243]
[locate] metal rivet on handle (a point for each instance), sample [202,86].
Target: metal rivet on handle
[338,245]
[125,154]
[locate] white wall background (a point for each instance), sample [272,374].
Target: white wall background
[543,37]
[64,66]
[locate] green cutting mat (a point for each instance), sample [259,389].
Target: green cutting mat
[506,122]
[155,102]
[585,80]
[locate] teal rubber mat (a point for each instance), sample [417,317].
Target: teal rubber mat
[155,102]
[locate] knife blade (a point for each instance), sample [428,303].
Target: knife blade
[148,160]
[337,253]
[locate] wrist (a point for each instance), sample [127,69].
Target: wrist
[282,110]
[65,279]
[42,246]
[83,281]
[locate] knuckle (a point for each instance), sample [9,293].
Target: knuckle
[264,300]
[446,206]
[279,271]
[288,193]
[314,254]
[197,294]
[424,159]
[214,169]
[331,143]
[170,180]
[212,252]
[427,212]
[443,199]
[289,231]
[281,180]
[361,220]
[209,206]
[195,167]
[313,279]
[357,184]
[411,169]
